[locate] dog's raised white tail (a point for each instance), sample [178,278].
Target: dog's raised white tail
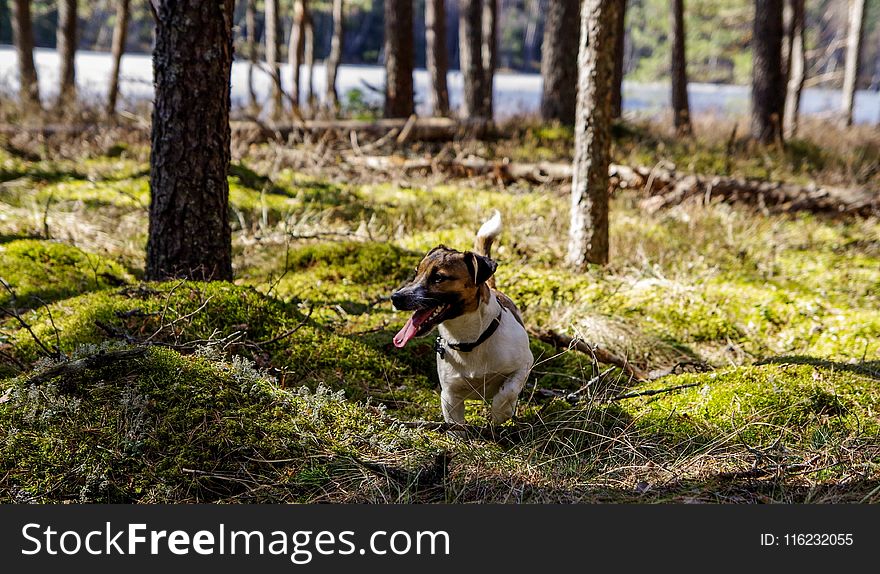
[487,234]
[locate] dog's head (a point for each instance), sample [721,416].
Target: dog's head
[448,284]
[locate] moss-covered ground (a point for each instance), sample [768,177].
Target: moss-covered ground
[284,386]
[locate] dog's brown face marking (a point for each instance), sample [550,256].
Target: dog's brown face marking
[450,283]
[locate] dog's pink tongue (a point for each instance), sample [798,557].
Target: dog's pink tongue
[411,328]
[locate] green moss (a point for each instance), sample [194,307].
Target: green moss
[759,405]
[48,271]
[172,428]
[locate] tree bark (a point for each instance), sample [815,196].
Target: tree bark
[271,35]
[588,232]
[120,31]
[470,30]
[489,53]
[23,36]
[681,111]
[65,38]
[309,61]
[559,68]
[189,232]
[435,55]
[335,56]
[617,81]
[796,67]
[250,19]
[768,81]
[398,58]
[296,49]
[853,55]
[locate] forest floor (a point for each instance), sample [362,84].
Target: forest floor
[284,386]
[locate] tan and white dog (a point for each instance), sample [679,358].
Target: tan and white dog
[483,348]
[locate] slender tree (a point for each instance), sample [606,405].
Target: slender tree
[619,45]
[398,58]
[470,29]
[768,80]
[296,48]
[853,55]
[271,36]
[189,232]
[23,36]
[435,55]
[120,31]
[65,38]
[489,53]
[559,67]
[309,61]
[588,232]
[250,22]
[681,111]
[795,69]
[335,56]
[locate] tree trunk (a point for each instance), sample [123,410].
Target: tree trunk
[559,68]
[271,35]
[768,81]
[853,55]
[470,29]
[796,69]
[335,56]
[23,35]
[309,60]
[681,111]
[250,19]
[65,38]
[588,233]
[489,53]
[296,49]
[189,232]
[120,31]
[398,58]
[436,58]
[617,81]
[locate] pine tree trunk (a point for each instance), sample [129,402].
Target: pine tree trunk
[558,65]
[853,55]
[588,233]
[120,31]
[23,36]
[309,60]
[189,232]
[296,49]
[250,19]
[335,56]
[65,38]
[681,111]
[796,67]
[489,54]
[436,58]
[619,45]
[271,35]
[768,81]
[398,58]
[470,29]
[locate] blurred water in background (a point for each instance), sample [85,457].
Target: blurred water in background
[515,93]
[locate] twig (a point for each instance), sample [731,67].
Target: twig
[89,363]
[290,332]
[652,392]
[601,355]
[24,324]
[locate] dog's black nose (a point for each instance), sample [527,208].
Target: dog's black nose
[397,298]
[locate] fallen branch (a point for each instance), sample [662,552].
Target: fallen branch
[652,392]
[599,354]
[413,128]
[89,363]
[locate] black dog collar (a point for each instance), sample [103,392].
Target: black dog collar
[468,347]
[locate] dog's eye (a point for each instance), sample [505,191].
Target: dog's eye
[437,278]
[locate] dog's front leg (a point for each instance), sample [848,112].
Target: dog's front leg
[504,401]
[452,406]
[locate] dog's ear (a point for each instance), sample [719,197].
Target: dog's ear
[481,268]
